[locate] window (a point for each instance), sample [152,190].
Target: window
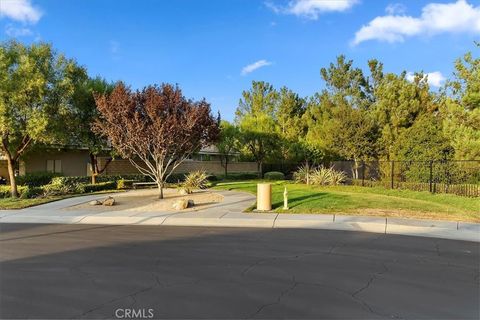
[54,166]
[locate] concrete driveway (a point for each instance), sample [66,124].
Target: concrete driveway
[91,271]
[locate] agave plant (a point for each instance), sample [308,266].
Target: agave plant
[195,180]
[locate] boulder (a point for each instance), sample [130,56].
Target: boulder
[180,204]
[94,203]
[183,191]
[190,203]
[109,202]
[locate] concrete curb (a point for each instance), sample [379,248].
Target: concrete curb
[421,228]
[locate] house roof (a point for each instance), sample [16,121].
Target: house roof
[210,150]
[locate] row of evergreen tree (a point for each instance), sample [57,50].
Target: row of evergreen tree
[378,116]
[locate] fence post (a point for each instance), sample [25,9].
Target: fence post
[392,173]
[430,180]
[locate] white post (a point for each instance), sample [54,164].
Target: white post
[285,199]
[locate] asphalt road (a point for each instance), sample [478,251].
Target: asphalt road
[82,271]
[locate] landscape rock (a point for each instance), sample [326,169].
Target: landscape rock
[94,203]
[190,203]
[109,202]
[183,191]
[180,204]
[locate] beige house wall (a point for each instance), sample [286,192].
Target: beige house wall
[4,169]
[77,163]
[72,162]
[122,166]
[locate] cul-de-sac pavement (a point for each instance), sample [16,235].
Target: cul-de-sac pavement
[59,270]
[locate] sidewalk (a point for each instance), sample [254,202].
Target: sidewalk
[229,213]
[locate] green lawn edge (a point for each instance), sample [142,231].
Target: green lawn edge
[369,201]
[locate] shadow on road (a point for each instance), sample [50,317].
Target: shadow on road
[72,271]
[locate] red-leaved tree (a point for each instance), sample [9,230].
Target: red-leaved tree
[156,128]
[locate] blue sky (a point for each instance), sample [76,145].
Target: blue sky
[214,49]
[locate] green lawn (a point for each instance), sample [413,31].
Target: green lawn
[366,201]
[12,203]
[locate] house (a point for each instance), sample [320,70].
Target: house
[75,161]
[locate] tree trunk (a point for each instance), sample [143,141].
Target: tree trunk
[226,167]
[260,169]
[160,189]
[355,168]
[11,175]
[93,166]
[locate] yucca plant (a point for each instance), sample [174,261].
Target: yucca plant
[300,176]
[321,176]
[337,177]
[327,176]
[195,180]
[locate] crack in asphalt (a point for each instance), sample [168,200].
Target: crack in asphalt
[437,248]
[367,286]
[130,296]
[289,289]
[133,295]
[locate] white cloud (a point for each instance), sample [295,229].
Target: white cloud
[436,18]
[435,79]
[311,9]
[114,46]
[395,8]
[254,66]
[20,10]
[15,32]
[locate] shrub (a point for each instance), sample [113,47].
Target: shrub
[195,180]
[24,192]
[321,176]
[300,176]
[5,191]
[70,181]
[101,186]
[31,192]
[327,176]
[235,176]
[36,179]
[337,177]
[125,184]
[107,178]
[56,189]
[176,178]
[274,175]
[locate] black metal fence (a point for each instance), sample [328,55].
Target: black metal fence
[460,177]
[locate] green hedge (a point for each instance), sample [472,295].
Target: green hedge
[24,192]
[176,178]
[274,175]
[100,179]
[101,186]
[36,179]
[236,176]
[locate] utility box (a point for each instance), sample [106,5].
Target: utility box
[264,196]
